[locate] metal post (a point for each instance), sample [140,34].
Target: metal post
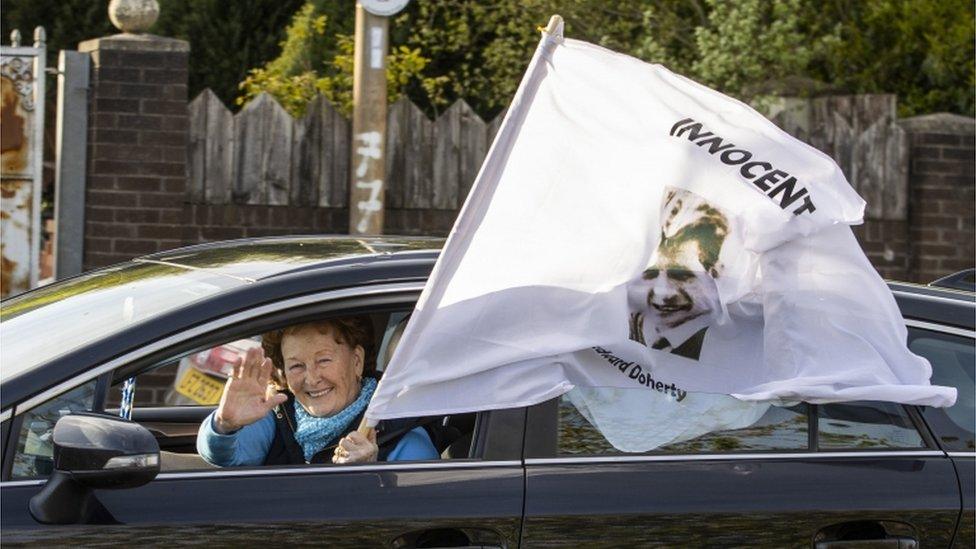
[367,185]
[72,144]
[40,77]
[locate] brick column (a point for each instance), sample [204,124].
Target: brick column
[137,141]
[942,195]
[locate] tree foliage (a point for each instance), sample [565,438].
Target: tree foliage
[314,60]
[921,50]
[227,37]
[440,51]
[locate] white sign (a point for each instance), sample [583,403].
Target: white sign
[384,8]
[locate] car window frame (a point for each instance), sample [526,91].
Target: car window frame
[362,299]
[541,430]
[946,330]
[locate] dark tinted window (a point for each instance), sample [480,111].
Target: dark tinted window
[865,425]
[779,429]
[35,450]
[953,363]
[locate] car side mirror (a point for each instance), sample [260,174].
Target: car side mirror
[93,451]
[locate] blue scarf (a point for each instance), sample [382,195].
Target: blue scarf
[314,433]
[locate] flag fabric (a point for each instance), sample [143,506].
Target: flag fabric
[631,228]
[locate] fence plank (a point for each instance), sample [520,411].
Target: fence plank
[446,160]
[320,157]
[473,145]
[196,154]
[493,127]
[263,134]
[896,175]
[219,151]
[417,145]
[336,143]
[396,162]
[306,166]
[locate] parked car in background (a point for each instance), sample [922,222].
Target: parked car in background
[802,475]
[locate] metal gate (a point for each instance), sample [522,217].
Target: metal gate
[22,71]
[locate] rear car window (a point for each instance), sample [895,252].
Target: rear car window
[953,360]
[779,429]
[848,426]
[865,426]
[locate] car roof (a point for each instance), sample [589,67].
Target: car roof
[255,259]
[281,267]
[936,305]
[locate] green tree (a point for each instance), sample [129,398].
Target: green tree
[66,22]
[921,50]
[442,51]
[314,60]
[753,47]
[227,37]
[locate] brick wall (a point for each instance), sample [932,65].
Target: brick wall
[886,243]
[942,195]
[136,172]
[938,237]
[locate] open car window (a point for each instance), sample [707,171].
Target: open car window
[173,396]
[196,379]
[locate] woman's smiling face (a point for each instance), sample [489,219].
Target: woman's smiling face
[322,372]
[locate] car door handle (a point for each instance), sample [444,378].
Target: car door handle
[893,542]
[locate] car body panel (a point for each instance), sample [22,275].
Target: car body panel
[758,501]
[937,305]
[966,469]
[256,259]
[352,506]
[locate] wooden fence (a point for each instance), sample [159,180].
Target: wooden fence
[861,134]
[262,155]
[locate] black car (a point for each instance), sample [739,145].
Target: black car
[803,475]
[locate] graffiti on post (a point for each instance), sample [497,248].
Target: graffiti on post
[369,151]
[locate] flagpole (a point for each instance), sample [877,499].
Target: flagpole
[552,28]
[553,25]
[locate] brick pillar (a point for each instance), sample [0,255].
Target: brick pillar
[137,141]
[942,195]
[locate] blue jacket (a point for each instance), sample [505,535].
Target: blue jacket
[250,444]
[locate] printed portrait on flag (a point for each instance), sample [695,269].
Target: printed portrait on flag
[676,299]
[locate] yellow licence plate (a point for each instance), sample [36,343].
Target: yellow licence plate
[199,387]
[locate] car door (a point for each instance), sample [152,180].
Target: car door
[952,353]
[473,500]
[799,476]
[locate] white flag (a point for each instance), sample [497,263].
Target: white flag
[631,228]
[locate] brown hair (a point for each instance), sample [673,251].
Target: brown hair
[353,331]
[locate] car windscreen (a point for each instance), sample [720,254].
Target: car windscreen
[52,320]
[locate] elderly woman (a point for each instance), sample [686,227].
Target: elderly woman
[315,419]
